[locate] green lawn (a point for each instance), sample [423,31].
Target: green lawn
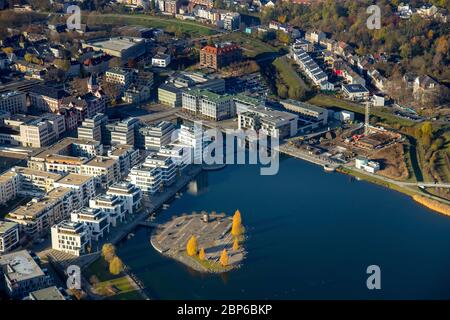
[251,46]
[124,288]
[330,101]
[100,269]
[190,27]
[288,74]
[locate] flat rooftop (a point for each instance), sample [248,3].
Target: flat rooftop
[6,176]
[62,149]
[50,293]
[120,149]
[5,226]
[74,179]
[103,162]
[21,266]
[39,173]
[116,44]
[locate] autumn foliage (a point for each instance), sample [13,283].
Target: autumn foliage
[191,246]
[108,251]
[115,266]
[224,258]
[201,254]
[235,245]
[236,228]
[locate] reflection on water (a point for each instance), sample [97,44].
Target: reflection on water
[311,235]
[199,185]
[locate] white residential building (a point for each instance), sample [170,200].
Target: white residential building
[271,122]
[113,206]
[147,179]
[161,60]
[165,164]
[131,194]
[192,136]
[9,186]
[366,165]
[96,220]
[71,237]
[119,76]
[35,182]
[105,170]
[13,102]
[21,274]
[310,68]
[83,187]
[9,236]
[158,135]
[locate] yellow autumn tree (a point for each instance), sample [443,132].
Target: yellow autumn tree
[236,228]
[108,251]
[235,245]
[201,255]
[224,258]
[115,266]
[191,246]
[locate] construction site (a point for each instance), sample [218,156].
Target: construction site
[349,140]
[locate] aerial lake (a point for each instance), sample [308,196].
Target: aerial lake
[311,235]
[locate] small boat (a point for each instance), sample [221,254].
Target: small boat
[165,206]
[130,235]
[329,168]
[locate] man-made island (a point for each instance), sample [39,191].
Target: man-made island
[206,242]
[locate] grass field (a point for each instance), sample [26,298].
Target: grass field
[330,101]
[190,27]
[124,289]
[251,47]
[288,74]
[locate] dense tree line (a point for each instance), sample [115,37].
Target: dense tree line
[420,45]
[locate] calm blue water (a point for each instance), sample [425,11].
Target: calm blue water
[311,235]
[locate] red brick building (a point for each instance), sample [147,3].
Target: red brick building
[219,55]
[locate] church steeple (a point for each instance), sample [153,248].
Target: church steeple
[92,83]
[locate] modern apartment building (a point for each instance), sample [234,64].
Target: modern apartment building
[113,206]
[37,216]
[13,102]
[126,191]
[169,95]
[9,236]
[9,186]
[120,76]
[161,60]
[83,187]
[105,170]
[216,107]
[208,104]
[126,156]
[66,156]
[35,182]
[192,137]
[94,128]
[307,111]
[147,179]
[38,132]
[158,135]
[71,237]
[96,221]
[123,132]
[21,274]
[271,122]
[165,164]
